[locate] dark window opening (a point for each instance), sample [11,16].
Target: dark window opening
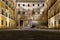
[19,5]
[2,22]
[9,16]
[59,21]
[33,4]
[33,26]
[23,4]
[43,4]
[2,0]
[16,24]
[2,12]
[6,7]
[55,23]
[18,12]
[7,2]
[6,14]
[21,22]
[9,5]
[38,4]
[6,22]
[23,12]
[28,5]
[33,12]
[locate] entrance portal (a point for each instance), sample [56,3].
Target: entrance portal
[21,22]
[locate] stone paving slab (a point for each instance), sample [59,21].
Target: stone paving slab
[29,35]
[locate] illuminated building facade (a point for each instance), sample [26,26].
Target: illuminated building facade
[53,13]
[31,13]
[22,14]
[7,14]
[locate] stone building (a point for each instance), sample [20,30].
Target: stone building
[31,13]
[7,14]
[53,13]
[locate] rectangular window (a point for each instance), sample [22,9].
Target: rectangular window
[38,4]
[7,2]
[2,12]
[6,23]
[21,22]
[23,12]
[9,16]
[59,21]
[16,24]
[1,22]
[9,5]
[28,5]
[6,14]
[33,12]
[18,12]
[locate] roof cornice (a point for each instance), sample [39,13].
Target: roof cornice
[30,0]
